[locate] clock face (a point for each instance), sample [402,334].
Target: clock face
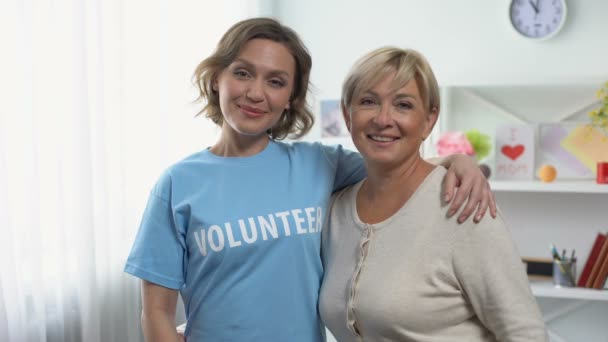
[538,19]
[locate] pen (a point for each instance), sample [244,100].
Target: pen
[572,256]
[554,252]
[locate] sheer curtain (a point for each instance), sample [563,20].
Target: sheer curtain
[96,102]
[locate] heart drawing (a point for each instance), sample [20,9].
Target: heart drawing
[513,152]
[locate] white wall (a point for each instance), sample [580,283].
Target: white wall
[466,42]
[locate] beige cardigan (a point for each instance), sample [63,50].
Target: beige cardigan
[419,276]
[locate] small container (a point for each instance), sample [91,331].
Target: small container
[564,273]
[602,172]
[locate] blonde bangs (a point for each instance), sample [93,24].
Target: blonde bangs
[405,64]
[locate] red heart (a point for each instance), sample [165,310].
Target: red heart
[513,152]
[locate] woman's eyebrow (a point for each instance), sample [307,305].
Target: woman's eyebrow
[276,72]
[405,96]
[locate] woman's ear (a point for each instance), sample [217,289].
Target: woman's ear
[214,84]
[431,120]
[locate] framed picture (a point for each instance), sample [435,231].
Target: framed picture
[514,152]
[332,122]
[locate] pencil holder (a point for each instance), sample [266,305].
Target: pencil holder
[564,273]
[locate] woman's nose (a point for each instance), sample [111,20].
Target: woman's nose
[255,92]
[383,116]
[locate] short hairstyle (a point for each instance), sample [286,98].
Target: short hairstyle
[407,64]
[299,119]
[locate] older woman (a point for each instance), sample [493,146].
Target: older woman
[396,268]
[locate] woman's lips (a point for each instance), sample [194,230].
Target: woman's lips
[252,111]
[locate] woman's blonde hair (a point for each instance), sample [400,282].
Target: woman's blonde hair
[295,122]
[407,64]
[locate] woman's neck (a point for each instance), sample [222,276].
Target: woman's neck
[238,145]
[386,190]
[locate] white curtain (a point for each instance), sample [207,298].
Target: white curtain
[96,101]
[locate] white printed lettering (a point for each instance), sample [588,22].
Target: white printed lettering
[231,241]
[200,241]
[319,219]
[214,237]
[296,217]
[245,235]
[283,216]
[220,238]
[270,227]
[311,218]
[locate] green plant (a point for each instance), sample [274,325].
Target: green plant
[480,142]
[599,117]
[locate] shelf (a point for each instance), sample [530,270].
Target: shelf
[548,290]
[582,186]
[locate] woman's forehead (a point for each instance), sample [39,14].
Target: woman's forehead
[389,83]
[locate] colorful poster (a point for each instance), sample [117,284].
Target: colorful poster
[551,152]
[572,148]
[514,152]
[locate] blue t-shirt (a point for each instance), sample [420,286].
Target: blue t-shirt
[240,239]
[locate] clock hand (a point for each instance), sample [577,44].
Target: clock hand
[534,6]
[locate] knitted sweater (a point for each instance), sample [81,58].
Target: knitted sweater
[419,276]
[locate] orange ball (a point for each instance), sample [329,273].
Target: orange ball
[547,173]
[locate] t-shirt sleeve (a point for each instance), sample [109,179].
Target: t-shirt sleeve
[348,164]
[492,275]
[158,252]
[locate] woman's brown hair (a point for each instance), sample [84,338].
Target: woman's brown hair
[299,119]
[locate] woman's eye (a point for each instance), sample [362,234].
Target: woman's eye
[366,101]
[241,73]
[277,83]
[404,105]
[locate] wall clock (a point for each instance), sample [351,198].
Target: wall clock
[537,19]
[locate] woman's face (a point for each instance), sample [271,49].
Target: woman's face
[255,88]
[388,125]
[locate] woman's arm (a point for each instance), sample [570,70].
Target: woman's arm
[467,182]
[158,313]
[493,278]
[463,175]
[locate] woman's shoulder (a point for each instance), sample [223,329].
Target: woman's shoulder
[430,190]
[315,147]
[301,146]
[164,183]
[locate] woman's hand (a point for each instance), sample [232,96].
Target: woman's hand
[464,180]
[180,332]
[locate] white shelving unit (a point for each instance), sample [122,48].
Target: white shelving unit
[583,187]
[568,213]
[548,290]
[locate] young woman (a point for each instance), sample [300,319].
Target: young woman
[396,269]
[236,227]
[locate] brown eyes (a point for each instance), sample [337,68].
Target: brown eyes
[402,105]
[274,82]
